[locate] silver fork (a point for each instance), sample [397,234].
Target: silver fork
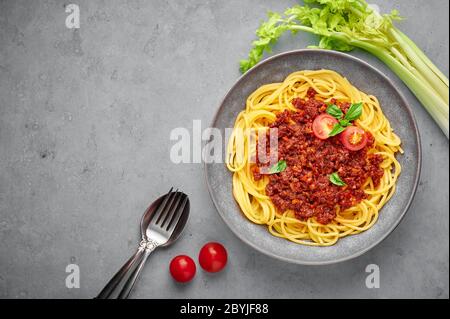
[160,226]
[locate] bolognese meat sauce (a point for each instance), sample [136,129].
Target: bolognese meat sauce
[304,186]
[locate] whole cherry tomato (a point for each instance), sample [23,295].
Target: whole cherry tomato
[182,268]
[213,257]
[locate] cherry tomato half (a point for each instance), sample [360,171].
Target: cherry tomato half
[353,138]
[213,257]
[182,268]
[322,125]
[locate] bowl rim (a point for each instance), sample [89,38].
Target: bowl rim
[418,149]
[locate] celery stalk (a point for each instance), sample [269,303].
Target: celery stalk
[422,55]
[423,68]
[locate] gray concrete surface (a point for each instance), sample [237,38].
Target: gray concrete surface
[85,118]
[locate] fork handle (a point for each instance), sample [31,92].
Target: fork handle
[126,290]
[121,275]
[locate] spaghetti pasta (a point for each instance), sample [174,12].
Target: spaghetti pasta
[262,107]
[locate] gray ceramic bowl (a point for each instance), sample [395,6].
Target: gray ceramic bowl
[367,79]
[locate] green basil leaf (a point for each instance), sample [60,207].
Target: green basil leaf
[336,180]
[337,128]
[335,111]
[344,122]
[278,167]
[354,112]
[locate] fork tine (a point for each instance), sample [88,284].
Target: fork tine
[157,215]
[160,204]
[167,209]
[172,210]
[176,217]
